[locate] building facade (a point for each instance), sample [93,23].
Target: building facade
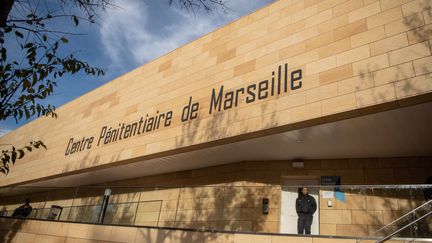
[334,94]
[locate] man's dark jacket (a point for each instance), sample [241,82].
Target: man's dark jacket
[305,205]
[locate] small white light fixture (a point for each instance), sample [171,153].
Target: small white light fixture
[298,164]
[107,192]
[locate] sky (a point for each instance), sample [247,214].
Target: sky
[130,35]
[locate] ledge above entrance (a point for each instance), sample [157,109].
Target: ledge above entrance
[401,132]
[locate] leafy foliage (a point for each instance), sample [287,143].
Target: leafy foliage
[29,76]
[10,156]
[22,87]
[207,5]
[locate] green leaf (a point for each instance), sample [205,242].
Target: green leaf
[26,84]
[75,19]
[27,113]
[19,34]
[20,153]
[3,53]
[14,156]
[35,79]
[28,45]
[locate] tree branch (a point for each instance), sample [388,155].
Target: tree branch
[5,8]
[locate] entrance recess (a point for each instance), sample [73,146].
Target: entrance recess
[289,194]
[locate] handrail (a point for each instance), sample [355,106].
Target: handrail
[16,190]
[403,216]
[217,231]
[406,226]
[126,205]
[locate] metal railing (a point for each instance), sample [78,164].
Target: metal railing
[388,237]
[411,216]
[400,225]
[225,207]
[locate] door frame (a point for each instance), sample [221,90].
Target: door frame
[300,180]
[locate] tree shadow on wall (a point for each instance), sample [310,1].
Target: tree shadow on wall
[9,227]
[8,230]
[215,208]
[88,161]
[395,204]
[417,33]
[226,123]
[123,206]
[222,206]
[194,209]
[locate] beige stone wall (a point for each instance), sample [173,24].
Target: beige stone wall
[229,197]
[357,57]
[364,212]
[32,231]
[212,207]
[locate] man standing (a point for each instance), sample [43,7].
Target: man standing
[24,210]
[305,207]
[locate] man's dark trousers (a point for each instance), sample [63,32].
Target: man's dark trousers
[304,223]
